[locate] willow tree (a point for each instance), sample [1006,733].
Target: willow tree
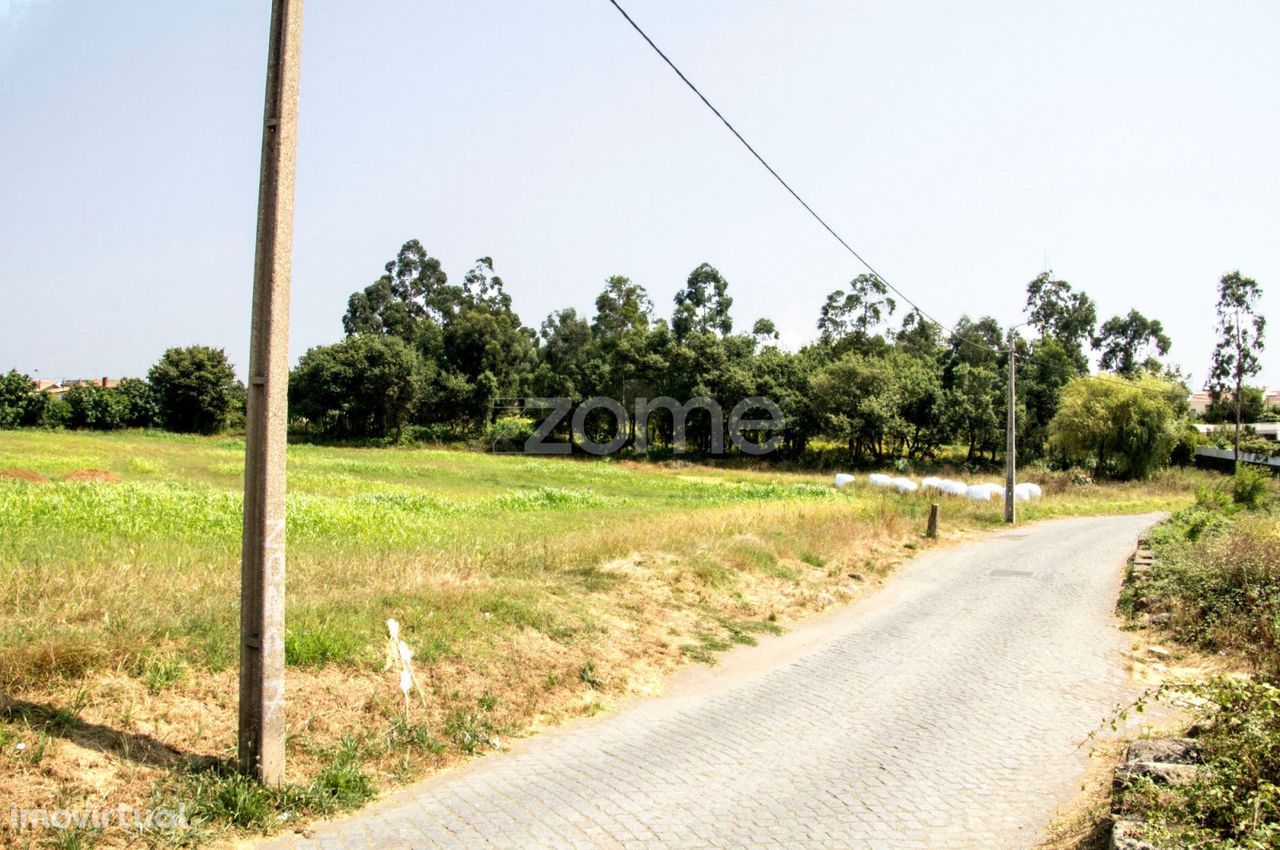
[1127,428]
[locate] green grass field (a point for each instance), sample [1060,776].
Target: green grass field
[91,570]
[530,589]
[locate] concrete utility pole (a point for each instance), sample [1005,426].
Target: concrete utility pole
[1010,447]
[262,728]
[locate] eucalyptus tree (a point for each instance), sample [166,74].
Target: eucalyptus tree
[1063,313]
[1130,343]
[702,306]
[850,316]
[1238,354]
[412,289]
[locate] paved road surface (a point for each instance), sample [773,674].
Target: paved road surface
[942,712]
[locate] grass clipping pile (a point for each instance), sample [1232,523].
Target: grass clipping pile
[161,733]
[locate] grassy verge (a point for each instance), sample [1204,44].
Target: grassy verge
[531,590]
[1215,587]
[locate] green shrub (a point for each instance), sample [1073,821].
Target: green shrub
[1255,445]
[194,389]
[433,433]
[15,391]
[1235,802]
[366,386]
[1249,486]
[1129,429]
[1218,575]
[1184,451]
[161,671]
[509,433]
[222,795]
[47,411]
[97,408]
[470,730]
[142,408]
[232,798]
[405,735]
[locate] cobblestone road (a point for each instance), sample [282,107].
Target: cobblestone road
[942,712]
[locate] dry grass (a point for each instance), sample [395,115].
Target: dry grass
[531,591]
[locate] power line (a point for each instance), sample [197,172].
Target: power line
[831,230]
[770,168]
[843,242]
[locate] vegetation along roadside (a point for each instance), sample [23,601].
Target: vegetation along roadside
[1210,594]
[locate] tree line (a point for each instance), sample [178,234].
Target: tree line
[427,358]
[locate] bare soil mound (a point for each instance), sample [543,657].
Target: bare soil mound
[24,475]
[100,475]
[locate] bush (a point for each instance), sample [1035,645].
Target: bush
[15,392]
[21,404]
[143,411]
[1235,803]
[96,407]
[436,432]
[1249,486]
[366,386]
[1218,575]
[1184,451]
[1129,429]
[1255,445]
[194,389]
[47,411]
[509,433]
[222,795]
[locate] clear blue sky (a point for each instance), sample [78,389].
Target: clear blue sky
[1136,145]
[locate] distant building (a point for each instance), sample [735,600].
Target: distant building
[1266,430]
[59,387]
[1200,401]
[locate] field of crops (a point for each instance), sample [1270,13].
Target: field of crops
[530,589]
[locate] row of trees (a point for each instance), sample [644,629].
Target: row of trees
[190,390]
[433,358]
[422,352]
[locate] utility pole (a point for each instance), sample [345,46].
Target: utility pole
[262,727]
[1010,447]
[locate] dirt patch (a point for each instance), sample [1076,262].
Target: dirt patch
[29,475]
[100,476]
[1085,823]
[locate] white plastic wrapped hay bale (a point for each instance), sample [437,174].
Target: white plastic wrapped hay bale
[843,479]
[977,493]
[952,487]
[904,485]
[931,483]
[1026,492]
[879,479]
